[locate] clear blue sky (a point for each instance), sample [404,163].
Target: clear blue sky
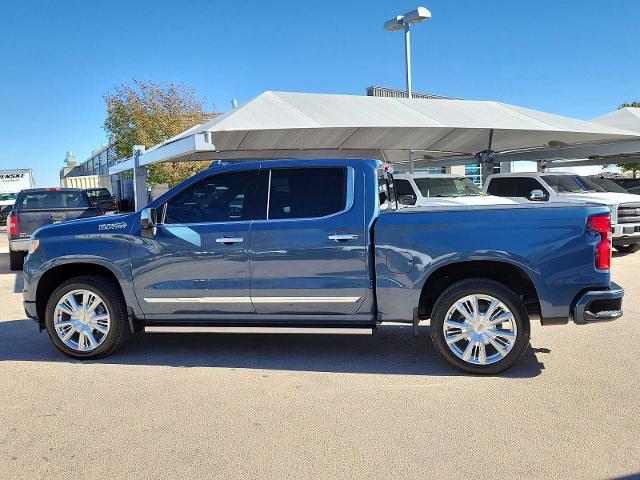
[577,58]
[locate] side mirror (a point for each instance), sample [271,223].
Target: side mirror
[407,200]
[148,218]
[537,196]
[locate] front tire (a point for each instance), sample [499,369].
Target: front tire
[16,260]
[634,247]
[480,326]
[86,317]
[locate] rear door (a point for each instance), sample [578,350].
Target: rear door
[308,248]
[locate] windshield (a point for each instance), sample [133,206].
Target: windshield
[8,196]
[447,187]
[52,199]
[571,184]
[607,184]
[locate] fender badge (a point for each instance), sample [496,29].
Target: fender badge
[112,226]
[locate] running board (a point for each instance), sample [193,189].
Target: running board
[222,329]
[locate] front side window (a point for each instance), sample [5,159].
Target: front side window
[218,198]
[306,192]
[526,185]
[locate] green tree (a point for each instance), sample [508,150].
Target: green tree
[630,167]
[147,113]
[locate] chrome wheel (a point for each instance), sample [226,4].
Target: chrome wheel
[81,320]
[480,329]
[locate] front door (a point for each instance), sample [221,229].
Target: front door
[308,250]
[196,265]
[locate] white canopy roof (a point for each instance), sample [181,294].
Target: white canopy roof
[627,118]
[302,125]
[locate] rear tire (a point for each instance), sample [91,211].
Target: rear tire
[492,333]
[16,260]
[87,333]
[634,247]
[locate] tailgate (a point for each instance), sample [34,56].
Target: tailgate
[31,220]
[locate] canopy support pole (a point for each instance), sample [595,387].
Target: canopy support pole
[486,163]
[410,161]
[139,179]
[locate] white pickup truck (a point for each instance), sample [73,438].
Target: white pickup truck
[562,187]
[438,189]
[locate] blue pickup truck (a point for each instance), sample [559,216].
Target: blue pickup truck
[320,246]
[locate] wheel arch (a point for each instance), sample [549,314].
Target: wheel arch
[55,276]
[508,274]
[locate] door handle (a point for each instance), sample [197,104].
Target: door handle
[343,237]
[229,240]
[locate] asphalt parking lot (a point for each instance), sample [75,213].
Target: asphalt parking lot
[285,406]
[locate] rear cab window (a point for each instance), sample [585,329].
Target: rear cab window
[98,193]
[53,199]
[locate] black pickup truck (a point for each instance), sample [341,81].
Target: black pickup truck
[37,207]
[103,199]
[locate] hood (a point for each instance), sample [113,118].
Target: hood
[104,224]
[604,198]
[468,200]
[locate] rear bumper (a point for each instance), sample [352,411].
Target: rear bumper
[598,305]
[19,245]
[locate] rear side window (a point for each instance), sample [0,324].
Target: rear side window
[306,192]
[503,186]
[52,199]
[526,184]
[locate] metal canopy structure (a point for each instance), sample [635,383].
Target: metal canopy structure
[627,118]
[437,131]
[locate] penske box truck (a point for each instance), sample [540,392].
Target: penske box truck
[12,181]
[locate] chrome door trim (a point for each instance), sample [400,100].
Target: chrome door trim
[251,299]
[304,299]
[222,329]
[197,299]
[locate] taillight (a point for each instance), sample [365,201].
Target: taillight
[602,224]
[13,225]
[115,204]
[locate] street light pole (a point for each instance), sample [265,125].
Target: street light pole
[407,56]
[403,22]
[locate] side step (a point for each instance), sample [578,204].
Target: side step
[222,329]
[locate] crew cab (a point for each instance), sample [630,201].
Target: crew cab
[36,207]
[424,189]
[562,187]
[319,246]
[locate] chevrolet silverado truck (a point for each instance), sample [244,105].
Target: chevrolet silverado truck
[320,246]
